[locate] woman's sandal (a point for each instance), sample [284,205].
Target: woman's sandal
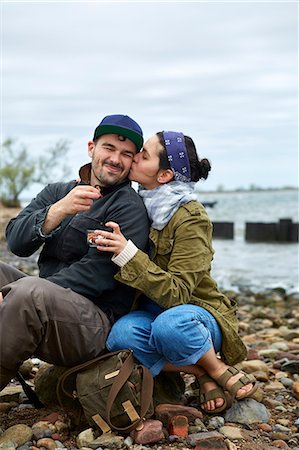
[241,382]
[218,392]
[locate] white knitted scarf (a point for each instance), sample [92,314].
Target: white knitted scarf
[162,202]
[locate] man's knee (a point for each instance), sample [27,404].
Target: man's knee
[25,293]
[9,274]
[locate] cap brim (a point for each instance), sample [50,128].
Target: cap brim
[114,129]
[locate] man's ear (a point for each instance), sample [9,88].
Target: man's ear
[91,147]
[165,176]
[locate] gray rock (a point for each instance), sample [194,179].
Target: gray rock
[287,382]
[281,429]
[11,394]
[247,411]
[128,441]
[59,444]
[24,447]
[216,422]
[18,434]
[281,408]
[108,440]
[85,438]
[232,433]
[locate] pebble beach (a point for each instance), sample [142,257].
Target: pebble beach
[269,326]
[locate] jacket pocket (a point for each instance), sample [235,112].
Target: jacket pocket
[73,243]
[165,246]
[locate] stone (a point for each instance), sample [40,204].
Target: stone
[268,353]
[178,426]
[290,367]
[211,444]
[85,438]
[42,433]
[287,382]
[11,394]
[26,369]
[128,441]
[288,334]
[274,386]
[233,433]
[108,441]
[280,428]
[279,443]
[260,375]
[151,432]
[288,355]
[265,427]
[271,403]
[46,443]
[254,366]
[296,389]
[252,354]
[194,439]
[200,424]
[42,429]
[52,418]
[230,445]
[61,427]
[165,411]
[17,434]
[247,411]
[216,422]
[6,406]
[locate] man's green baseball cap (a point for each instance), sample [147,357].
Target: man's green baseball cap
[121,125]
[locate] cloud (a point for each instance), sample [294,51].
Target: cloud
[224,73]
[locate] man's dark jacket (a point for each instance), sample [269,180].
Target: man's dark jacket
[66,259]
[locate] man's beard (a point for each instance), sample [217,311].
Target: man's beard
[103,177]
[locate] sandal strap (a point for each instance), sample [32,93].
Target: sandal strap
[212,395]
[230,372]
[243,381]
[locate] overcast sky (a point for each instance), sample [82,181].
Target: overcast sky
[224,73]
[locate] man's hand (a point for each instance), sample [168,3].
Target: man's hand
[1,298]
[78,199]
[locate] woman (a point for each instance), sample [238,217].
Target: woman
[182,320]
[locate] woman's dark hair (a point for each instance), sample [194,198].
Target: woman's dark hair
[200,168]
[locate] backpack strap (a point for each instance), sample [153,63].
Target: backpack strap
[147,385]
[76,369]
[32,396]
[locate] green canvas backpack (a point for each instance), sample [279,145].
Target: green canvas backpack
[114,392]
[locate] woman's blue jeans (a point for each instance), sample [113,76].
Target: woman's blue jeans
[180,335]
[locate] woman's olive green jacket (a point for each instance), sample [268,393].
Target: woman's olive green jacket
[178,272]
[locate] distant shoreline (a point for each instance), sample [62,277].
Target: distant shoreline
[257,190]
[25,201]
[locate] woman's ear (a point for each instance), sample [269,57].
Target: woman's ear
[165,176]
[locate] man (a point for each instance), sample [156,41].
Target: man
[64,316]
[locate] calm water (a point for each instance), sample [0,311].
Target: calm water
[240,264]
[257,266]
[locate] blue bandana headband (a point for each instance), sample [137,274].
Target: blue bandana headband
[177,155]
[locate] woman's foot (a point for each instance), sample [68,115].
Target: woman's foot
[212,397]
[238,383]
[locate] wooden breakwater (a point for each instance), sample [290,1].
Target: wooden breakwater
[285,230]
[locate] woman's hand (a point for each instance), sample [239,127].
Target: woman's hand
[113,242]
